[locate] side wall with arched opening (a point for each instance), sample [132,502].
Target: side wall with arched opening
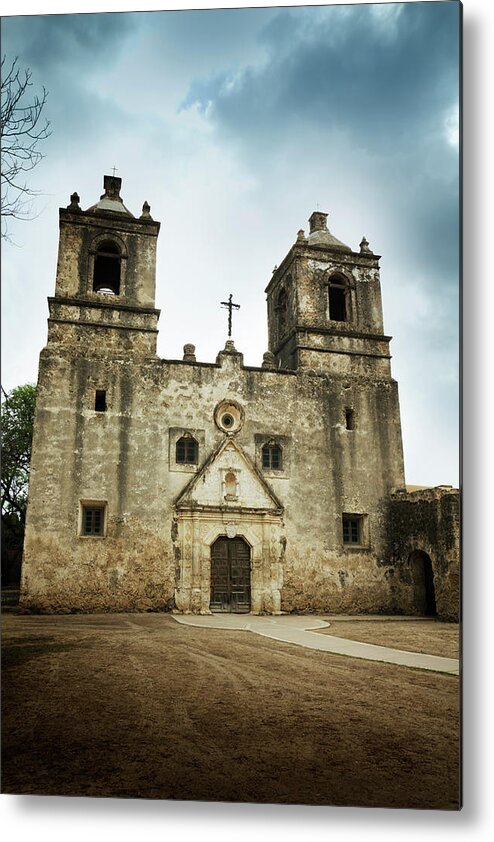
[424,548]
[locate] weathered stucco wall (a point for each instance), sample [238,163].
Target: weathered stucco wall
[122,457]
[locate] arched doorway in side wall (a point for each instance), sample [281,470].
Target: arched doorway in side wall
[423,583]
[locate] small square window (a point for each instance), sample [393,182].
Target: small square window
[93,520]
[353,530]
[100,400]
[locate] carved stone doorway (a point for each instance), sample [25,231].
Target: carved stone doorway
[230,576]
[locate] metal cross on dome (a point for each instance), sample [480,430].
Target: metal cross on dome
[230,306]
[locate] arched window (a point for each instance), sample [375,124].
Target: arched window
[338,305]
[186,452]
[272,456]
[281,311]
[106,276]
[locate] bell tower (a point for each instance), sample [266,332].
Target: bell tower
[106,273]
[324,306]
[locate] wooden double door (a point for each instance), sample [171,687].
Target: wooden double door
[230,576]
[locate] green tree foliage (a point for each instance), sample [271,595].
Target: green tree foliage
[17,433]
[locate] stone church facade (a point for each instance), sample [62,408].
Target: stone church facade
[197,487]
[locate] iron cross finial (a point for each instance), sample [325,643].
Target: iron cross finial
[230,306]
[114,171]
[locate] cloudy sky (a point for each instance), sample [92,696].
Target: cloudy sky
[235,125]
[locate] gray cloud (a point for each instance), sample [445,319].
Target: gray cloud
[63,53]
[58,42]
[382,86]
[347,83]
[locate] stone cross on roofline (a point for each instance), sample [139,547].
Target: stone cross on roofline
[230,306]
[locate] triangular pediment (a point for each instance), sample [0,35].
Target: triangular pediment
[229,479]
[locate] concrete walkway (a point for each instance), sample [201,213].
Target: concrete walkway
[300,631]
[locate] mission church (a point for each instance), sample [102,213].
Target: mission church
[214,486]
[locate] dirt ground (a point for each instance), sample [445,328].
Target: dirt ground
[138,706]
[428,636]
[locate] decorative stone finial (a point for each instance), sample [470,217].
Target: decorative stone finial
[189,353]
[364,247]
[301,236]
[145,211]
[275,268]
[229,356]
[318,221]
[268,360]
[74,202]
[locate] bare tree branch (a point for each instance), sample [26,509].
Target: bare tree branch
[22,129]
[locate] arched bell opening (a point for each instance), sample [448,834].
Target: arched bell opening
[338,299]
[107,268]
